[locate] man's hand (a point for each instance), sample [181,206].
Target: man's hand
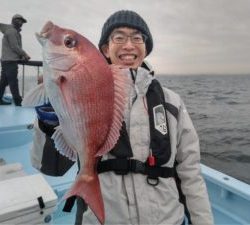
[26,57]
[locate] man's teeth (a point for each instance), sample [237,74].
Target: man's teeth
[127,57]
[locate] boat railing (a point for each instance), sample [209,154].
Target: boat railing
[36,64]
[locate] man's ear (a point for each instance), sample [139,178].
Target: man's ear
[105,50]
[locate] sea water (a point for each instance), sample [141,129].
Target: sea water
[219,106]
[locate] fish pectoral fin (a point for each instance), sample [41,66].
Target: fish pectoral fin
[35,96]
[62,146]
[122,86]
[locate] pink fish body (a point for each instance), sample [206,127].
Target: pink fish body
[89,98]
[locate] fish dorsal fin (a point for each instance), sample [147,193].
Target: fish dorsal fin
[122,87]
[62,146]
[35,96]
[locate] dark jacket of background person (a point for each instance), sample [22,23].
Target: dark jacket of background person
[12,52]
[12,42]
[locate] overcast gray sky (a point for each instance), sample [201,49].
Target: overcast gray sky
[190,36]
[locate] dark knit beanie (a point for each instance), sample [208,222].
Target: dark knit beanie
[126,18]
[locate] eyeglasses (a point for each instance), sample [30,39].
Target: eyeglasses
[122,38]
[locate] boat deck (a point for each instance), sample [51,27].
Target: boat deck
[12,116]
[15,143]
[230,198]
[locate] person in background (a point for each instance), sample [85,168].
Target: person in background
[12,52]
[153,174]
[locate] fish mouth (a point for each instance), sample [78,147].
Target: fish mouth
[45,32]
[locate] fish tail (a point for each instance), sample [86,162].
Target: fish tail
[88,188]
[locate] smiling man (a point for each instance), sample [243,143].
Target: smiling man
[146,196]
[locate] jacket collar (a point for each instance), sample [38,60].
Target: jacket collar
[143,79]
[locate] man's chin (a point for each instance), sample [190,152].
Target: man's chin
[130,66]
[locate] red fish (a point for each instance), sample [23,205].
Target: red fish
[89,98]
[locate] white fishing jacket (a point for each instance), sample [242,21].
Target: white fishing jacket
[129,199]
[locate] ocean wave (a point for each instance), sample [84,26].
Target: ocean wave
[233,103]
[230,156]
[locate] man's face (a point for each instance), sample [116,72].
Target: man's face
[18,22]
[126,47]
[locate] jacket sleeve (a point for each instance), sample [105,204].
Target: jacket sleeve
[189,171]
[11,35]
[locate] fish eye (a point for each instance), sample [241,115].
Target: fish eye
[69,42]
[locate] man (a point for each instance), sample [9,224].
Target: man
[12,52]
[152,175]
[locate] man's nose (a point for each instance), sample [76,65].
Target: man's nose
[129,43]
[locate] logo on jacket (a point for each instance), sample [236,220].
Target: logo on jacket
[160,121]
